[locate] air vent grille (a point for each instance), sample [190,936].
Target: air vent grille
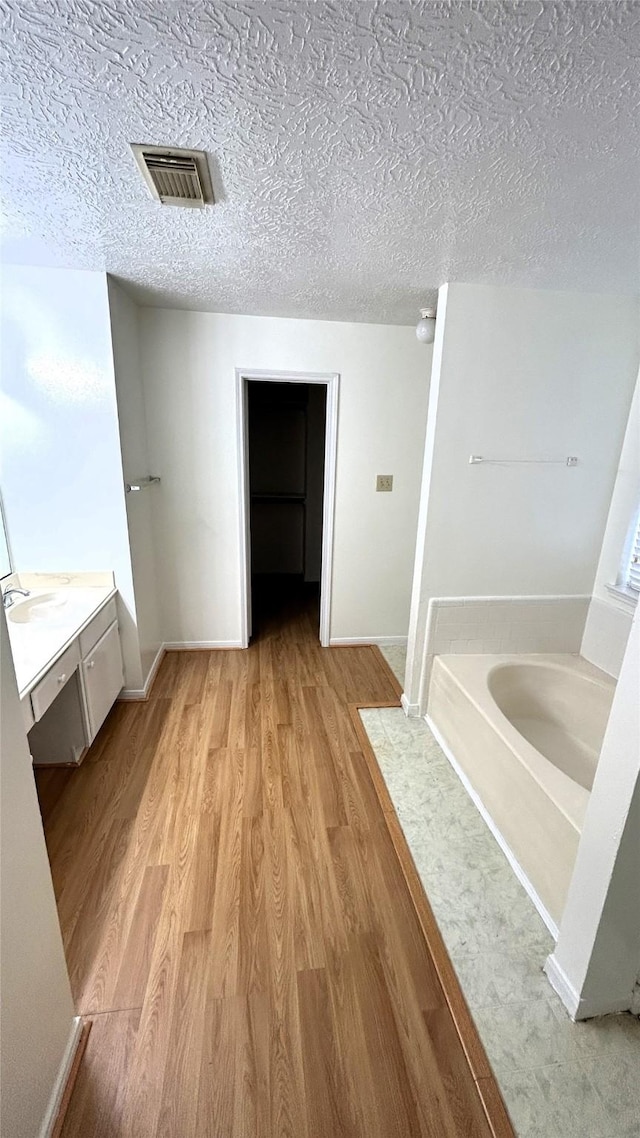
[175,177]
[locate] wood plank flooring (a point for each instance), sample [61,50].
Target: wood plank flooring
[236,921]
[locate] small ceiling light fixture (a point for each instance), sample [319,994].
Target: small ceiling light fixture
[426,326]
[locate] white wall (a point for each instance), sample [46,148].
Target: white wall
[595,963]
[135,463]
[609,619]
[188,373]
[35,996]
[520,374]
[61,473]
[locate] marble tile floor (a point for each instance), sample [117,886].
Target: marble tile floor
[396,657]
[559,1079]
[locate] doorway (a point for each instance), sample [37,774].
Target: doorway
[287,447]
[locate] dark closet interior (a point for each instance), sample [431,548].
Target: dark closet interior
[287,424]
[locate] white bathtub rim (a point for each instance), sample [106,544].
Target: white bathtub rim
[567,796]
[497,833]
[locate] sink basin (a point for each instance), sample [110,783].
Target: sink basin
[46,606]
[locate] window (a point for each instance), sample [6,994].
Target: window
[630,576]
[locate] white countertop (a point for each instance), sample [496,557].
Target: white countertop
[37,644]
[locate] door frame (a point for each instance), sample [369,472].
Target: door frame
[331,381]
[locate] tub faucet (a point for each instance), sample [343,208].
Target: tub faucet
[8,595]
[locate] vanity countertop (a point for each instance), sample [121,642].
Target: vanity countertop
[36,643]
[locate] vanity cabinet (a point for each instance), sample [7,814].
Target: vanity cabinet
[69,704]
[50,687]
[101,680]
[59,737]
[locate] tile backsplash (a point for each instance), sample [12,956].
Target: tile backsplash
[506,624]
[503,624]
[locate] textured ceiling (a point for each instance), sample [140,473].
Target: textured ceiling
[362,153]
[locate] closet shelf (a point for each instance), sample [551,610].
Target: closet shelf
[256,496]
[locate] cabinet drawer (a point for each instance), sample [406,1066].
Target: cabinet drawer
[46,691]
[102,679]
[97,628]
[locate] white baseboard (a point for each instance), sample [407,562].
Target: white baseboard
[200,645]
[577,1007]
[159,657]
[138,694]
[482,810]
[411,710]
[561,984]
[355,641]
[143,693]
[51,1113]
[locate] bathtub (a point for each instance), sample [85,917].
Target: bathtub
[525,732]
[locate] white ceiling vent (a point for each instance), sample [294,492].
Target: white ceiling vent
[175,177]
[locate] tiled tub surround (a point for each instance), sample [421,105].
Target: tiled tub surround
[606,633]
[464,625]
[510,723]
[559,1079]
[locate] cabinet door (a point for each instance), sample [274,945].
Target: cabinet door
[102,679]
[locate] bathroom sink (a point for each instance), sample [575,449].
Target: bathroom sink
[46,606]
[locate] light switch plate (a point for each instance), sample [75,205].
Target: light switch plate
[384,482]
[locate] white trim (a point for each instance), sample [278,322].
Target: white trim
[201,645]
[561,985]
[484,813]
[411,710]
[331,380]
[382,641]
[244,536]
[153,670]
[51,1113]
[328,507]
[143,693]
[578,1008]
[414,673]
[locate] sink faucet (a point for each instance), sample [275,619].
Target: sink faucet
[8,595]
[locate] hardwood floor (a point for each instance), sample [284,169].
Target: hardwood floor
[236,918]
